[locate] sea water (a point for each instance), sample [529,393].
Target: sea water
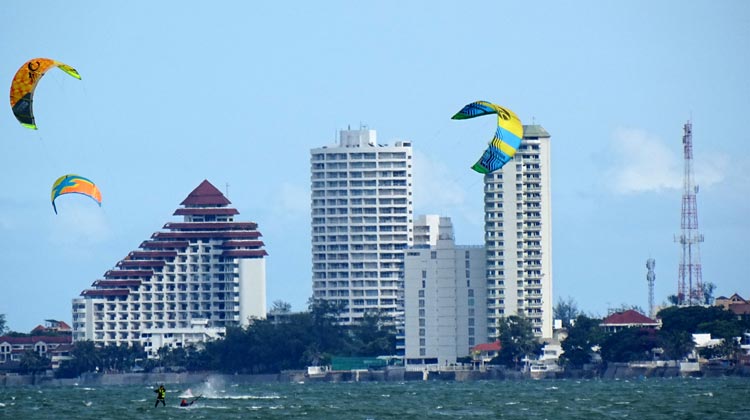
[674,398]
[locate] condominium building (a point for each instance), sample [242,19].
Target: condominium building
[182,286]
[445,295]
[518,236]
[361,223]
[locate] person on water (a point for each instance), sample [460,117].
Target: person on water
[161,393]
[185,403]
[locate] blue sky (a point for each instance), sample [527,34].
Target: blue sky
[239,92]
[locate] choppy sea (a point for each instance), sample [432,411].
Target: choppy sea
[663,398]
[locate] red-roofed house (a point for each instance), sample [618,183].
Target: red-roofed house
[485,352]
[735,304]
[54,347]
[52,325]
[627,319]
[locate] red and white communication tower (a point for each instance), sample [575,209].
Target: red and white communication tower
[690,283]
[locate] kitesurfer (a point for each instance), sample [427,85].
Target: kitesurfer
[185,403]
[161,394]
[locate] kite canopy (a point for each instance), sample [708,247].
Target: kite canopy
[69,184]
[24,83]
[507,138]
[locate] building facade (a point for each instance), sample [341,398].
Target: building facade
[518,236]
[445,295]
[182,286]
[361,223]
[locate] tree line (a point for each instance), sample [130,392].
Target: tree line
[283,341]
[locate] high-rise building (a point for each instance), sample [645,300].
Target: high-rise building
[361,223]
[518,236]
[182,286]
[445,295]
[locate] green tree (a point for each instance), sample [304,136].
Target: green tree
[281,307]
[85,358]
[32,363]
[708,292]
[566,310]
[517,340]
[629,345]
[3,326]
[583,336]
[694,319]
[676,343]
[374,335]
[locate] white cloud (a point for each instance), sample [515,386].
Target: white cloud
[78,227]
[645,163]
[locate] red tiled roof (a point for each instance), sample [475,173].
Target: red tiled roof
[207,235]
[49,339]
[737,299]
[136,255]
[629,317]
[487,347]
[211,225]
[245,253]
[141,263]
[128,273]
[165,244]
[206,212]
[242,244]
[116,283]
[205,195]
[105,292]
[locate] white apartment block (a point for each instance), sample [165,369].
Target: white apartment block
[361,223]
[445,295]
[518,236]
[182,286]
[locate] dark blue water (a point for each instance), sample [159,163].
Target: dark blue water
[675,398]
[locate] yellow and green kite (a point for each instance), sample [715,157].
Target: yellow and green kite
[507,138]
[24,83]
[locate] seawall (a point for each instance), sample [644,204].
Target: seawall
[391,374]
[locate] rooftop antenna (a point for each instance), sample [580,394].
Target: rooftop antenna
[226,187]
[689,276]
[651,278]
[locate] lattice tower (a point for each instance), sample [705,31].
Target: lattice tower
[651,278]
[689,283]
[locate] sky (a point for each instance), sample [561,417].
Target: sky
[236,92]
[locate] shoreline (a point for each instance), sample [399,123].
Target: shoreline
[614,371]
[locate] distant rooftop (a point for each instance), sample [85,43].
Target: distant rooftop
[534,130]
[627,318]
[206,195]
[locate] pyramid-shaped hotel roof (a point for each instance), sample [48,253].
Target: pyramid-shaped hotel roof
[205,194]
